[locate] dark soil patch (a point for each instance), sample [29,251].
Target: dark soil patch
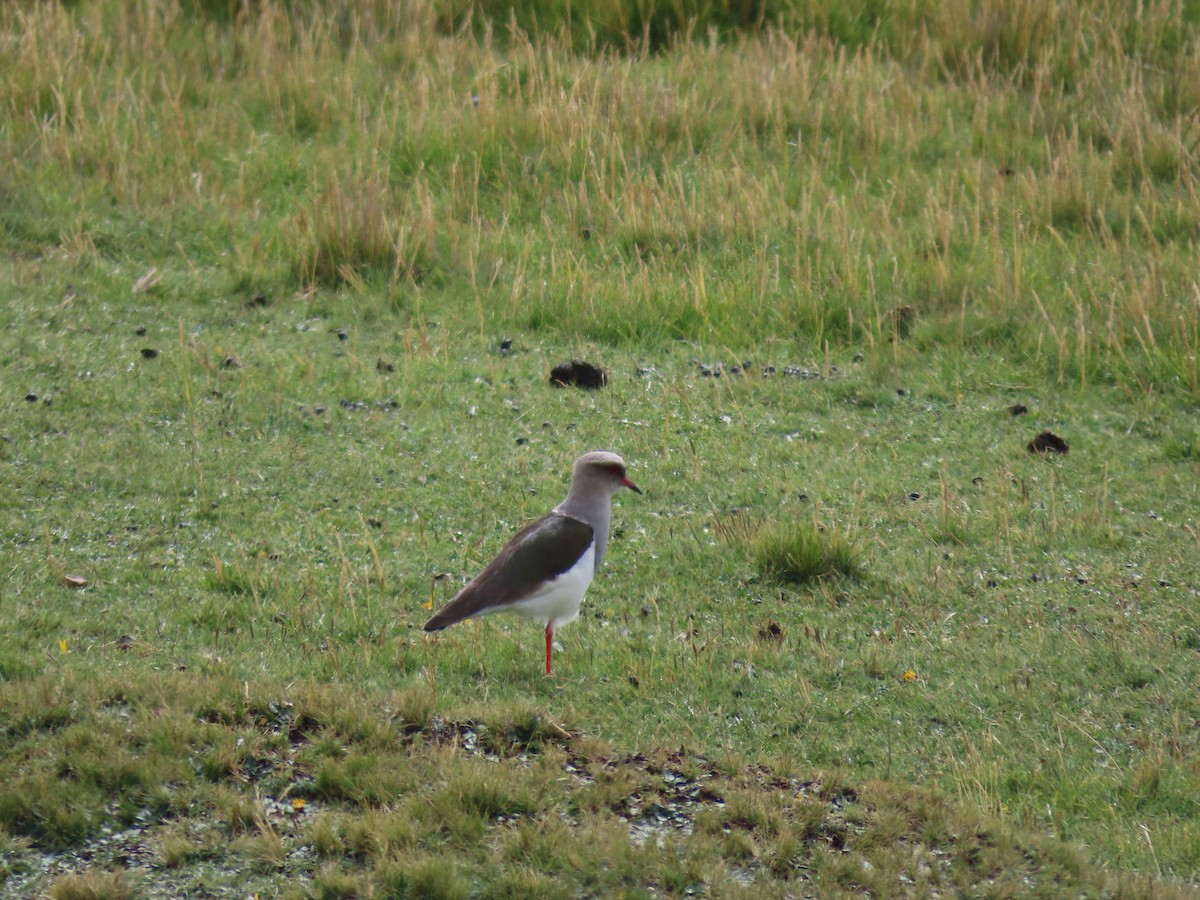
[1048,442]
[578,373]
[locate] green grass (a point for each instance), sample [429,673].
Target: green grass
[803,553]
[854,638]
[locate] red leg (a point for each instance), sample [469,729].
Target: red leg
[549,641]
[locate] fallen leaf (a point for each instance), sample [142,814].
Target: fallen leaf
[75,582]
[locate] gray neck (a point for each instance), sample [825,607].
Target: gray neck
[590,502]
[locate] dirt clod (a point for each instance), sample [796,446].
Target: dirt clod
[903,319]
[1048,442]
[578,373]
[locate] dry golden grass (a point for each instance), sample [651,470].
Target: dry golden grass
[778,181]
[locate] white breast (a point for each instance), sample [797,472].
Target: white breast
[557,601]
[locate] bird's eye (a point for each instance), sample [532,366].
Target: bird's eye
[616,470]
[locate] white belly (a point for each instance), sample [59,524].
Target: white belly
[557,602]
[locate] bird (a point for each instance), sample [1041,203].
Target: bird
[544,570]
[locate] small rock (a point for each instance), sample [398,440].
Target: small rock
[141,331]
[149,353]
[31,397]
[342,334]
[1018,409]
[506,345]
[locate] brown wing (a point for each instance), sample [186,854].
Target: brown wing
[538,553]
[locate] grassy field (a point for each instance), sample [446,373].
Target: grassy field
[281,289]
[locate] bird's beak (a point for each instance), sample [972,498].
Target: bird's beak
[633,487]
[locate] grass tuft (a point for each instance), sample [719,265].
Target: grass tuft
[352,233]
[332,884]
[437,879]
[803,552]
[92,884]
[325,839]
